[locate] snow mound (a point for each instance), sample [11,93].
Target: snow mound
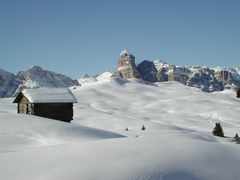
[26,130]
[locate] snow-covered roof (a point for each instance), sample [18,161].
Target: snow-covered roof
[49,95]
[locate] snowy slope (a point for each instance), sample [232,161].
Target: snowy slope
[177,143]
[86,79]
[133,102]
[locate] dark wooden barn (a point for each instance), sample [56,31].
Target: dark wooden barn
[54,103]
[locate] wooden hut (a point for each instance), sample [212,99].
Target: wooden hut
[54,103]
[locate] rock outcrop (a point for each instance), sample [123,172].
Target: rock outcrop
[180,74]
[224,76]
[126,67]
[148,71]
[204,79]
[8,83]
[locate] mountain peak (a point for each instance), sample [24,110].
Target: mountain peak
[126,67]
[35,67]
[159,61]
[125,52]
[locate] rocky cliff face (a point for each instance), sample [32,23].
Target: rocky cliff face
[205,78]
[8,83]
[126,67]
[147,71]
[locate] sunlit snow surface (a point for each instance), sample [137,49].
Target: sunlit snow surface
[176,145]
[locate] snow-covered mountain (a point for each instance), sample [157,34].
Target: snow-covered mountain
[34,77]
[38,77]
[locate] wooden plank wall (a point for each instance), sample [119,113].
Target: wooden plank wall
[59,111]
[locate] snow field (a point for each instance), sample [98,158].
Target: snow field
[176,145]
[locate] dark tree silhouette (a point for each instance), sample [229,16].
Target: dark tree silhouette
[218,131]
[236,139]
[143,128]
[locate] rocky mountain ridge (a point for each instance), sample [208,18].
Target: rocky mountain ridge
[205,78]
[34,77]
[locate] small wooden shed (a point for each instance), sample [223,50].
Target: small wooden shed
[54,103]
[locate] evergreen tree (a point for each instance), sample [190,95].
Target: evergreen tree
[236,139]
[218,131]
[143,128]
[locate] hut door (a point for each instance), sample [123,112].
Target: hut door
[25,109]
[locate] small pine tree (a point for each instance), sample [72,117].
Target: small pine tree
[218,131]
[126,129]
[236,139]
[143,128]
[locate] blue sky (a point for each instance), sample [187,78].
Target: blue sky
[74,37]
